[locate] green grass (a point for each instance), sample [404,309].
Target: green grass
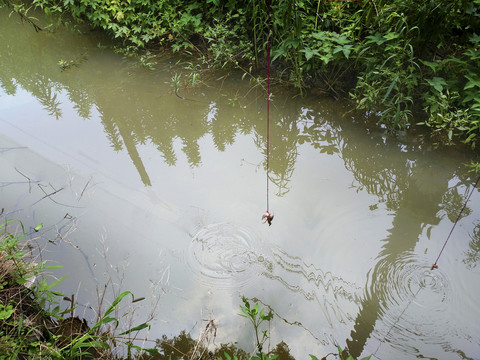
[32,323]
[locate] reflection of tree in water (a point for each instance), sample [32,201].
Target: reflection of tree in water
[129,117]
[183,346]
[283,152]
[7,84]
[222,126]
[46,92]
[27,62]
[40,86]
[82,101]
[411,182]
[452,204]
[112,133]
[472,256]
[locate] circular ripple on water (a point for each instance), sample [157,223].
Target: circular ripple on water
[410,299]
[223,255]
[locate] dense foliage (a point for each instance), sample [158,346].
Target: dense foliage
[392,57]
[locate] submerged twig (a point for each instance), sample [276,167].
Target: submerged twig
[85,187]
[29,180]
[2,150]
[48,195]
[53,193]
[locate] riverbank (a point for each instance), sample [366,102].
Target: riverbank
[33,324]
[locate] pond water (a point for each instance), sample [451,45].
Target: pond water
[161,193]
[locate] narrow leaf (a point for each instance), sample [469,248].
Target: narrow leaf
[389,89]
[55,283]
[93,343]
[136,328]
[116,301]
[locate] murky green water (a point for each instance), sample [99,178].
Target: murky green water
[164,195]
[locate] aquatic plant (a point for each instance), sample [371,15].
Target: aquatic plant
[257,316]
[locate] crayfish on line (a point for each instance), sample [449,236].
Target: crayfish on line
[267,217]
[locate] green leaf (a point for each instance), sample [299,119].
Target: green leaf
[391,35]
[475,39]
[245,312]
[38,227]
[151,351]
[20,325]
[292,43]
[438,83]
[52,267]
[309,53]
[6,312]
[93,343]
[321,35]
[106,320]
[468,139]
[430,64]
[473,81]
[44,287]
[341,39]
[377,39]
[345,49]
[117,301]
[2,225]
[136,328]
[279,52]
[389,90]
[337,49]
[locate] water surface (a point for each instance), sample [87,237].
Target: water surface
[161,194]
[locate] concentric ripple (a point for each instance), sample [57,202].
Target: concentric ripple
[224,255]
[410,299]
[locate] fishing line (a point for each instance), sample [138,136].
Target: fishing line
[396,321]
[435,265]
[267,216]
